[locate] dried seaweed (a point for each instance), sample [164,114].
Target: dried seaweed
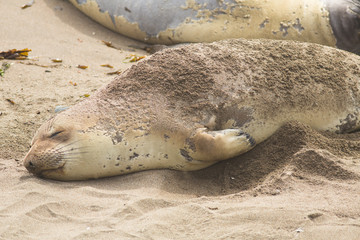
[10,101]
[133,58]
[82,66]
[73,83]
[106,65]
[15,54]
[56,60]
[41,65]
[5,66]
[118,72]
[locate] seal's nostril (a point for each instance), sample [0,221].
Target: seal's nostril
[31,164]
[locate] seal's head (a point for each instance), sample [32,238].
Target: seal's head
[62,147]
[52,147]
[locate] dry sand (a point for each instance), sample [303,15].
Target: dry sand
[299,184]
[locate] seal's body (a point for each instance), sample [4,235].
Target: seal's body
[327,22]
[188,107]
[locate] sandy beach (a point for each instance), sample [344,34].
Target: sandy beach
[298,184]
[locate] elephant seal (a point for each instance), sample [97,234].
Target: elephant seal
[189,107]
[327,22]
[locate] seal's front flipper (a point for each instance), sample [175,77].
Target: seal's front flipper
[218,145]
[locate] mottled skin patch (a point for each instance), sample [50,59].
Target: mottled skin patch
[135,155]
[186,155]
[117,138]
[349,124]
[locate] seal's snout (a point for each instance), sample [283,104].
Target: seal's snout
[39,159]
[30,164]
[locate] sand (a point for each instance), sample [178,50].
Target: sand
[299,184]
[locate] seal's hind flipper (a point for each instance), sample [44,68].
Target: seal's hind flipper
[218,145]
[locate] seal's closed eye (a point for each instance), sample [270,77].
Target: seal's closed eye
[55,133]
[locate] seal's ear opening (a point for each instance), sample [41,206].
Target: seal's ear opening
[345,22]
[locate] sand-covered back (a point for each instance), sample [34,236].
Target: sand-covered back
[298,184]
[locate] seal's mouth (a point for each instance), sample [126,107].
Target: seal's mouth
[51,172]
[45,172]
